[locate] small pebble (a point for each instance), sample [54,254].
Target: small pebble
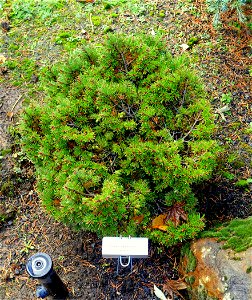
[5,26]
[17,271]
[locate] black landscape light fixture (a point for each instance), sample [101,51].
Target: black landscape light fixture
[40,266]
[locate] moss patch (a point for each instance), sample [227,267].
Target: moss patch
[7,188]
[236,234]
[189,258]
[190,280]
[6,214]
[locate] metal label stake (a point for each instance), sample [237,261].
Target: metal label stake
[124,248]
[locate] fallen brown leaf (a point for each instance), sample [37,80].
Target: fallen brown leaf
[174,286]
[85,1]
[159,222]
[2,59]
[10,114]
[177,214]
[138,219]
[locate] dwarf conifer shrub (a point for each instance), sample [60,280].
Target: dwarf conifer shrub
[121,137]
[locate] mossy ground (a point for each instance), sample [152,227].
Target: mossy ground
[236,234]
[189,257]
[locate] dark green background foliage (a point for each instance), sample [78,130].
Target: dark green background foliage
[220,6]
[124,127]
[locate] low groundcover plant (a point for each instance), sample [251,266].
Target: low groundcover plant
[120,138]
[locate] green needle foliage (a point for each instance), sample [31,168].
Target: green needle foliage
[219,6]
[122,135]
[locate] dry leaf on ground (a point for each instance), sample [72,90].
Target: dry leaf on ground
[174,286]
[176,213]
[159,293]
[159,222]
[184,47]
[2,59]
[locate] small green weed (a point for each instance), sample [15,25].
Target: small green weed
[192,41]
[248,130]
[226,98]
[26,10]
[190,280]
[228,175]
[97,21]
[22,69]
[7,188]
[68,39]
[28,245]
[61,257]
[244,182]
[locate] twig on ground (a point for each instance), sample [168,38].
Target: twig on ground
[91,23]
[15,104]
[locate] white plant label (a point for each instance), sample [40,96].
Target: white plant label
[114,247]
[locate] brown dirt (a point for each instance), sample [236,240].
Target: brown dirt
[10,103]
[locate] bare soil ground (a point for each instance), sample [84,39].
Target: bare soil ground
[27,229]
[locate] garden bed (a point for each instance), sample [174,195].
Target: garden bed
[37,38]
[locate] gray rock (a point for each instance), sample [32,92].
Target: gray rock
[219,274]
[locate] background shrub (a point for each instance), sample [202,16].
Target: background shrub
[220,6]
[122,135]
